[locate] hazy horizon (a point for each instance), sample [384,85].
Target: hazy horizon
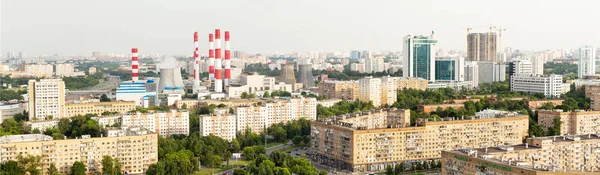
[79,27]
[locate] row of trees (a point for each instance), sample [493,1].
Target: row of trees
[32,165]
[402,167]
[343,107]
[75,127]
[279,163]
[79,82]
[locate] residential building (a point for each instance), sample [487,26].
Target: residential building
[572,123]
[370,90]
[520,67]
[579,154]
[472,73]
[586,64]
[328,102]
[42,125]
[224,126]
[537,65]
[550,85]
[389,90]
[257,117]
[411,83]
[121,107]
[371,140]
[47,99]
[359,67]
[490,72]
[482,47]
[92,70]
[535,104]
[593,92]
[373,65]
[164,124]
[108,121]
[65,70]
[345,90]
[419,57]
[38,70]
[450,69]
[430,108]
[136,149]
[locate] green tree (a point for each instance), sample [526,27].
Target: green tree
[278,132]
[235,145]
[108,165]
[78,168]
[52,170]
[389,170]
[156,169]
[239,171]
[280,158]
[297,140]
[104,98]
[252,96]
[214,161]
[555,129]
[184,106]
[11,168]
[30,164]
[266,94]
[36,131]
[399,168]
[244,95]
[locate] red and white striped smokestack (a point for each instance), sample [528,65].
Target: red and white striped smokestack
[134,64]
[218,66]
[211,57]
[227,59]
[196,61]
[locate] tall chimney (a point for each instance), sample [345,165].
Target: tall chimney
[227,59]
[196,63]
[218,66]
[134,64]
[211,57]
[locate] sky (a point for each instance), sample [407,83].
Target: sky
[79,27]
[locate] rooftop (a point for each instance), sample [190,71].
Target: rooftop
[24,138]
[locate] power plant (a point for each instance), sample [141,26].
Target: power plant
[170,76]
[196,65]
[287,74]
[305,75]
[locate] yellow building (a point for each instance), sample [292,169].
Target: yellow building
[593,92]
[47,99]
[538,156]
[411,83]
[191,103]
[345,90]
[136,149]
[572,123]
[369,141]
[98,108]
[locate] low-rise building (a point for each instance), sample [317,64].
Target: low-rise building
[108,121]
[135,148]
[121,107]
[328,102]
[163,123]
[372,140]
[572,123]
[9,110]
[43,125]
[535,104]
[460,101]
[538,156]
[431,108]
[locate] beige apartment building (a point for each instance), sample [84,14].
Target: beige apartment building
[369,141]
[411,83]
[163,123]
[535,104]
[73,109]
[538,156]
[257,117]
[192,103]
[572,123]
[46,98]
[224,126]
[345,90]
[593,92]
[136,150]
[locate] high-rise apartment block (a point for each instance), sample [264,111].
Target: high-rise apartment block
[65,70]
[46,99]
[370,90]
[220,125]
[163,123]
[38,70]
[419,57]
[593,92]
[579,154]
[345,90]
[389,90]
[373,65]
[259,117]
[135,149]
[482,47]
[550,86]
[577,122]
[371,140]
[586,64]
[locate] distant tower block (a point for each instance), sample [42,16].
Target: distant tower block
[305,75]
[211,58]
[287,74]
[196,62]
[218,62]
[134,64]
[227,59]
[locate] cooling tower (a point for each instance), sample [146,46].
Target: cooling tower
[170,76]
[305,75]
[287,74]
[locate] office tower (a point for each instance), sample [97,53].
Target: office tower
[355,54]
[586,61]
[482,47]
[365,54]
[305,75]
[287,74]
[491,72]
[373,65]
[520,67]
[550,86]
[46,99]
[472,72]
[419,57]
[450,69]
[370,90]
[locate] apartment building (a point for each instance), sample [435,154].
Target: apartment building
[73,109]
[108,121]
[433,107]
[38,70]
[389,90]
[136,149]
[192,103]
[369,141]
[370,90]
[572,123]
[345,90]
[164,124]
[328,102]
[550,86]
[411,83]
[65,70]
[538,156]
[257,117]
[593,92]
[42,125]
[47,99]
[224,126]
[535,104]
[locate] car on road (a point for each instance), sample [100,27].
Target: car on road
[297,154]
[225,173]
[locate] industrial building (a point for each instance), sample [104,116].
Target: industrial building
[571,154]
[135,148]
[372,140]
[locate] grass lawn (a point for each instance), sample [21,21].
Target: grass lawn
[232,164]
[273,144]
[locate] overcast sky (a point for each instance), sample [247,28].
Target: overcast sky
[78,27]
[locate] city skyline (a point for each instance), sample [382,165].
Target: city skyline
[80,27]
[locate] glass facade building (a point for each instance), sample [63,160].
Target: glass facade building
[445,70]
[419,57]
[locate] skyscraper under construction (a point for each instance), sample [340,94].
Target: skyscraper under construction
[482,47]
